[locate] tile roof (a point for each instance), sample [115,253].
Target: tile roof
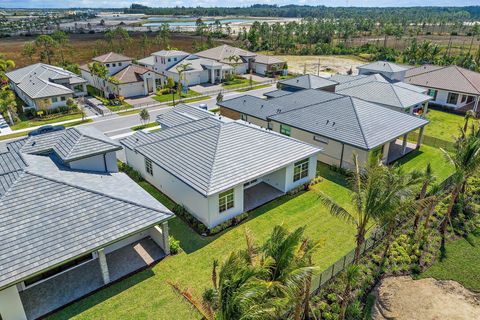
[170,53]
[387,94]
[131,73]
[383,66]
[264,59]
[111,57]
[50,214]
[352,121]
[212,156]
[276,93]
[37,80]
[308,81]
[223,52]
[147,61]
[181,114]
[346,81]
[452,78]
[196,63]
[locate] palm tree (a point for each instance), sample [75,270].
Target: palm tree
[377,192]
[181,69]
[5,66]
[352,276]
[235,62]
[7,102]
[428,179]
[99,71]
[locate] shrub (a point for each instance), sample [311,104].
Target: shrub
[174,245]
[132,173]
[354,311]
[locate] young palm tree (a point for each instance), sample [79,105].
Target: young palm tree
[181,69]
[235,61]
[428,179]
[352,274]
[377,192]
[5,66]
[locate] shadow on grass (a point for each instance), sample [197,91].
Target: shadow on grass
[408,157]
[101,295]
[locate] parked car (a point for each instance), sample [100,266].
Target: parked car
[45,129]
[203,106]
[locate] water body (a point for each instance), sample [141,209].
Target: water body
[186,23]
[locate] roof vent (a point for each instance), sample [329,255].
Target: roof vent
[279,110]
[327,122]
[333,124]
[261,106]
[34,143]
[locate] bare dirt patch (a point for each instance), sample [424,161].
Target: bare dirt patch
[403,298]
[328,64]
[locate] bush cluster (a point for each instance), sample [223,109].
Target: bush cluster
[132,173]
[174,245]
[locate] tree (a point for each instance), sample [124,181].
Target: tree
[144,44]
[181,69]
[163,36]
[5,66]
[62,43]
[28,51]
[45,46]
[428,179]
[99,71]
[219,97]
[7,103]
[118,39]
[352,275]
[235,61]
[144,116]
[375,195]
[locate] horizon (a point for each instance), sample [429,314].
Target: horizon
[122,4]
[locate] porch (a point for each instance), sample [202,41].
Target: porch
[50,294]
[258,195]
[397,150]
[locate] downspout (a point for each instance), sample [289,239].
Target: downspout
[341,156]
[105,161]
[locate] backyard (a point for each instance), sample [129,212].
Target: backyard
[444,125]
[147,295]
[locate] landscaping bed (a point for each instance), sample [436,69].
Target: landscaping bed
[166,97]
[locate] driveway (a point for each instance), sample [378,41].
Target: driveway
[206,87]
[141,101]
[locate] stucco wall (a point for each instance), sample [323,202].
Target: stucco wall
[260,68]
[131,89]
[97,163]
[215,217]
[11,307]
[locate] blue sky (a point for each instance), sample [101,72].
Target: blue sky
[208,3]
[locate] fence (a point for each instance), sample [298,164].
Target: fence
[432,141]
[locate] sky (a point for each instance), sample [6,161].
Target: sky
[212,3]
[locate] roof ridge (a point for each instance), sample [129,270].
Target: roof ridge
[359,122]
[395,92]
[310,105]
[461,71]
[429,71]
[13,183]
[214,160]
[92,191]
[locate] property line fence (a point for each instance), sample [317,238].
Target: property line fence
[433,142]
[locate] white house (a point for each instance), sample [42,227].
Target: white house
[449,86]
[70,223]
[42,86]
[218,168]
[125,78]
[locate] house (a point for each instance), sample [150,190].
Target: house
[246,61]
[307,81]
[387,69]
[450,86]
[70,223]
[218,168]
[340,125]
[124,78]
[42,86]
[374,88]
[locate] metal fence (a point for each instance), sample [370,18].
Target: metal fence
[433,142]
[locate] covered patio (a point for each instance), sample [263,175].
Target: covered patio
[50,294]
[258,195]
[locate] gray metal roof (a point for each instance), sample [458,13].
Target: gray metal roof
[383,66]
[181,114]
[308,81]
[387,94]
[212,156]
[352,81]
[352,121]
[50,214]
[276,93]
[147,61]
[37,80]
[170,53]
[111,57]
[70,144]
[223,52]
[196,63]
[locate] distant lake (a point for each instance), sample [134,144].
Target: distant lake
[173,23]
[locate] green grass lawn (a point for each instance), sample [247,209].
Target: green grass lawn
[168,97]
[444,125]
[461,264]
[238,83]
[191,100]
[146,295]
[41,122]
[24,133]
[255,88]
[144,126]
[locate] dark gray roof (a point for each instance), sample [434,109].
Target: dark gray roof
[383,66]
[182,113]
[50,214]
[308,81]
[212,156]
[352,121]
[276,93]
[70,144]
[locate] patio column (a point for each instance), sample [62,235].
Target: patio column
[404,144]
[102,259]
[420,138]
[145,85]
[212,73]
[84,88]
[11,306]
[166,244]
[425,109]
[475,106]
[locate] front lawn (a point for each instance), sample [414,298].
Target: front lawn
[168,96]
[24,133]
[444,125]
[460,264]
[238,82]
[41,122]
[146,295]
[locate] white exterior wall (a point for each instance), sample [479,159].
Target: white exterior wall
[277,179]
[442,98]
[11,307]
[133,89]
[118,66]
[215,217]
[260,68]
[97,163]
[312,171]
[242,68]
[127,241]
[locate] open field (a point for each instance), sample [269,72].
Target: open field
[328,64]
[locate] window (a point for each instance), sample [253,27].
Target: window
[433,93]
[63,98]
[169,59]
[114,65]
[119,64]
[286,130]
[269,125]
[452,98]
[54,99]
[300,170]
[464,98]
[320,139]
[244,117]
[225,200]
[148,166]
[174,59]
[108,65]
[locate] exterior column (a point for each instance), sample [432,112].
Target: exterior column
[475,106]
[166,244]
[84,88]
[212,80]
[386,150]
[420,138]
[221,75]
[425,109]
[404,144]
[11,306]
[102,259]
[145,85]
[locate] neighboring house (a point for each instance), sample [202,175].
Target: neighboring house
[307,81]
[69,222]
[42,86]
[389,95]
[125,78]
[218,168]
[248,61]
[389,70]
[340,125]
[449,86]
